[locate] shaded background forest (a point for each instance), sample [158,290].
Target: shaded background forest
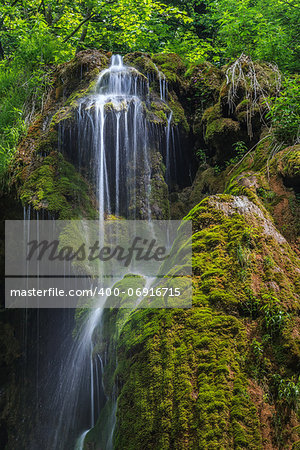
[35,35]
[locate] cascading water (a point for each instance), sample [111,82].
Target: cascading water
[112,141]
[114,122]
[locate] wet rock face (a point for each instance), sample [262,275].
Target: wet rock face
[43,177]
[79,72]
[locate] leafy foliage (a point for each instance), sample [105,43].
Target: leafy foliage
[285,112]
[35,35]
[274,316]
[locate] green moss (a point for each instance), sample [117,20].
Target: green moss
[189,402]
[183,375]
[220,127]
[212,113]
[205,74]
[159,117]
[72,100]
[171,65]
[159,201]
[142,62]
[55,185]
[179,117]
[234,187]
[289,162]
[112,107]
[79,74]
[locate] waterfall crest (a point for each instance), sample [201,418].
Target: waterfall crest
[113,136]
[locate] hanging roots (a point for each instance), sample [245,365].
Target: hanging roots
[243,74]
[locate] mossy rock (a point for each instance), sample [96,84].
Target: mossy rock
[205,82]
[271,182]
[220,135]
[158,112]
[221,129]
[78,73]
[179,116]
[185,376]
[54,185]
[207,182]
[190,403]
[267,76]
[212,113]
[172,67]
[288,161]
[159,202]
[142,62]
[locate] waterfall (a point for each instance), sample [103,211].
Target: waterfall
[163,85]
[111,142]
[168,148]
[113,139]
[119,149]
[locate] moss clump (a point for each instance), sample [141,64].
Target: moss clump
[115,107]
[220,135]
[172,66]
[221,128]
[204,84]
[288,162]
[76,75]
[179,116]
[212,113]
[172,69]
[72,100]
[159,201]
[157,113]
[206,183]
[142,62]
[218,127]
[55,185]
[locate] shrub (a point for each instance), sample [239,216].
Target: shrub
[285,112]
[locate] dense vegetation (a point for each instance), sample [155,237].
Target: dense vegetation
[34,35]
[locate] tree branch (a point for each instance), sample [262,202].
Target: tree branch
[78,27]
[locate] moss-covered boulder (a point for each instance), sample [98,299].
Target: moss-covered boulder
[205,81]
[269,177]
[207,182]
[54,185]
[79,72]
[289,166]
[247,85]
[173,68]
[165,73]
[204,377]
